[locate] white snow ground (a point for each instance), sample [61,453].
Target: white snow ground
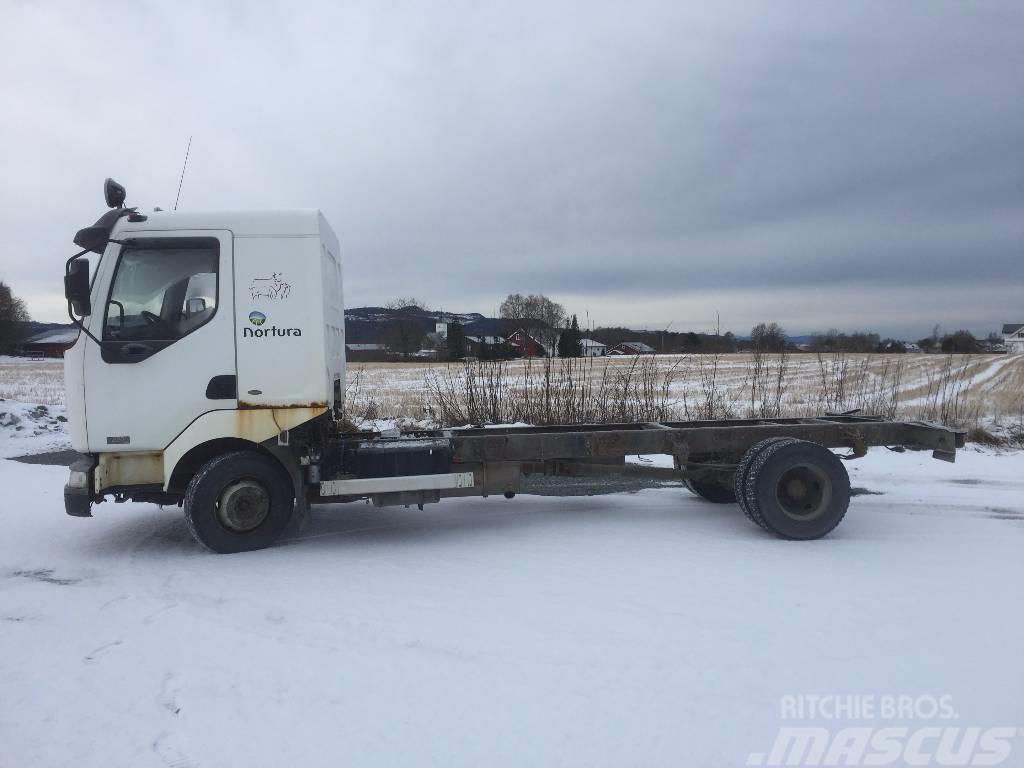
[650,629]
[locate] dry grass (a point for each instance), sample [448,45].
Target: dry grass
[32,381]
[559,391]
[965,390]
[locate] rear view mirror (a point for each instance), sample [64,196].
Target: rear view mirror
[76,287]
[195,306]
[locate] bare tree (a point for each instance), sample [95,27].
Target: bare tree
[13,313]
[533,307]
[403,335]
[768,337]
[404,332]
[536,314]
[961,342]
[406,302]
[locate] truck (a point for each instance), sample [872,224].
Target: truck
[209,373]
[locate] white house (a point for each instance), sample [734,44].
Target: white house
[489,340]
[593,348]
[1013,337]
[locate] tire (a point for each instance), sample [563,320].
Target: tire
[797,489]
[743,469]
[238,502]
[713,492]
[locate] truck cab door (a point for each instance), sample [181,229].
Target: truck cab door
[168,341]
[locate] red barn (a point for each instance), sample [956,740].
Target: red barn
[526,345]
[52,343]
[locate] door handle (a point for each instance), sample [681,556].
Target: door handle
[136,350]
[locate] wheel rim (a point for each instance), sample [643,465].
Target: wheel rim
[243,506]
[804,492]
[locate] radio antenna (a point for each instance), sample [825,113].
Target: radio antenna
[182,177]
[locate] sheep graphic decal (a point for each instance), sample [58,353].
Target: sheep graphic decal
[272,287]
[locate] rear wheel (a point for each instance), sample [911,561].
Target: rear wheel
[797,489]
[716,493]
[743,470]
[238,502]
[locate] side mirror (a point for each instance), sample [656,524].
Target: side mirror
[113,193]
[76,287]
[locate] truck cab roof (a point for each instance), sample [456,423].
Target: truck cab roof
[296,222]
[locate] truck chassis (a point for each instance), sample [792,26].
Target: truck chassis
[783,473]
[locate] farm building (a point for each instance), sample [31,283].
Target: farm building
[1013,336]
[474,343]
[631,348]
[52,343]
[526,345]
[591,348]
[366,353]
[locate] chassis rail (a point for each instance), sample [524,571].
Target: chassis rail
[692,439]
[702,450]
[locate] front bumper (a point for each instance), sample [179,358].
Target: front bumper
[79,490]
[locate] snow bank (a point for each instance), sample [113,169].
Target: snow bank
[31,428]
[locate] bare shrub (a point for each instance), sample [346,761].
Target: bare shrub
[365,402]
[551,391]
[877,392]
[716,400]
[833,370]
[767,382]
[954,390]
[946,399]
[857,384]
[983,436]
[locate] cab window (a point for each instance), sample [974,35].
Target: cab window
[163,290]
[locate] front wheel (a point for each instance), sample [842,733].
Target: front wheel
[238,502]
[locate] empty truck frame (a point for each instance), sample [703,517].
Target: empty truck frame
[210,373]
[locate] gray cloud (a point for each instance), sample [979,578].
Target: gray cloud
[854,164]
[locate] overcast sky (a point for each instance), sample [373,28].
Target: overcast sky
[821,164]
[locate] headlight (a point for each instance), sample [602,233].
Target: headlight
[78,479]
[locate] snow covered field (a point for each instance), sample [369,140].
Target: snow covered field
[647,629]
[38,380]
[966,389]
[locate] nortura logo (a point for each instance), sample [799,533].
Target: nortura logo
[257,318]
[259,333]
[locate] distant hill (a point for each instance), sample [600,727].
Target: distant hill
[34,328]
[375,325]
[372,325]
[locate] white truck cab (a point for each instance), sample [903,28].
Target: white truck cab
[202,330]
